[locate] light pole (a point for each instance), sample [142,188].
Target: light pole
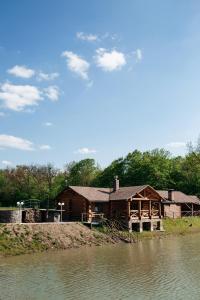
[61,211]
[20,204]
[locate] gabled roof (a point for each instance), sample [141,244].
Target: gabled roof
[180,197]
[126,192]
[106,194]
[92,193]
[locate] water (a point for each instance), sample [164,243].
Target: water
[155,269]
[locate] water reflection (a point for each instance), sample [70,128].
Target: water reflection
[155,269]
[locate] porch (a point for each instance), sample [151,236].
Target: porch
[144,214]
[139,209]
[92,218]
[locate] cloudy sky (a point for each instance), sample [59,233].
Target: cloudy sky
[97,78]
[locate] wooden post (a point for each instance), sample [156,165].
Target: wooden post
[150,209]
[139,209]
[159,209]
[128,209]
[192,209]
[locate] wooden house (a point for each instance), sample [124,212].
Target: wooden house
[177,204]
[136,207]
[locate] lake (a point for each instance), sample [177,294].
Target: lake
[154,269]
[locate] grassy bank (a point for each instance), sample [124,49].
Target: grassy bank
[173,227]
[18,239]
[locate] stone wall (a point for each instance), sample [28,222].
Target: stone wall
[29,216]
[32,216]
[10,216]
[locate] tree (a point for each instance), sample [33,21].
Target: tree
[82,173]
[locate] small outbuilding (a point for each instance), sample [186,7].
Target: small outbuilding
[177,204]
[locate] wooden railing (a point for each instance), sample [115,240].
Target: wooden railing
[134,214]
[92,217]
[189,213]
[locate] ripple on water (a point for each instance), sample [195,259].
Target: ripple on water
[165,269]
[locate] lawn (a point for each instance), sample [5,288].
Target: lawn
[8,208]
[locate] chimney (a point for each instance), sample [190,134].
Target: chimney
[116,184]
[171,194]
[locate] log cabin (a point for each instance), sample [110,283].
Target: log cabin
[178,205]
[136,207]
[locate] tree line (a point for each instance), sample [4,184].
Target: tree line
[157,168]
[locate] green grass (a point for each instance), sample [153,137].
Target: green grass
[173,227]
[8,208]
[182,225]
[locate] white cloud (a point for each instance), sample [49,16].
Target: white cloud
[138,54]
[9,141]
[52,92]
[6,162]
[45,147]
[77,64]
[47,77]
[17,97]
[85,151]
[176,144]
[21,71]
[86,37]
[48,124]
[110,61]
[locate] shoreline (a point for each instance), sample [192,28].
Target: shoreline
[17,239]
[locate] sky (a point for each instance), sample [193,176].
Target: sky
[97,79]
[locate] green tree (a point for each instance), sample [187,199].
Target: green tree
[82,173]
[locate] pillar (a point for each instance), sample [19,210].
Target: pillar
[161,226]
[150,209]
[151,226]
[140,226]
[128,210]
[130,226]
[139,209]
[160,215]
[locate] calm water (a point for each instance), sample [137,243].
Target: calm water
[158,269]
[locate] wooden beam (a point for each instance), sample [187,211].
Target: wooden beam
[128,209]
[150,214]
[139,209]
[160,215]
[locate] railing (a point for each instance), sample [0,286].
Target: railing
[92,217]
[134,214]
[189,213]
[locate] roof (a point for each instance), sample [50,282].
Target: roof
[126,192]
[106,194]
[92,193]
[180,197]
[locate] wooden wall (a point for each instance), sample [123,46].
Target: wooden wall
[74,206]
[118,208]
[172,210]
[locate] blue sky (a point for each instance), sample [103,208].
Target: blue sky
[97,79]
